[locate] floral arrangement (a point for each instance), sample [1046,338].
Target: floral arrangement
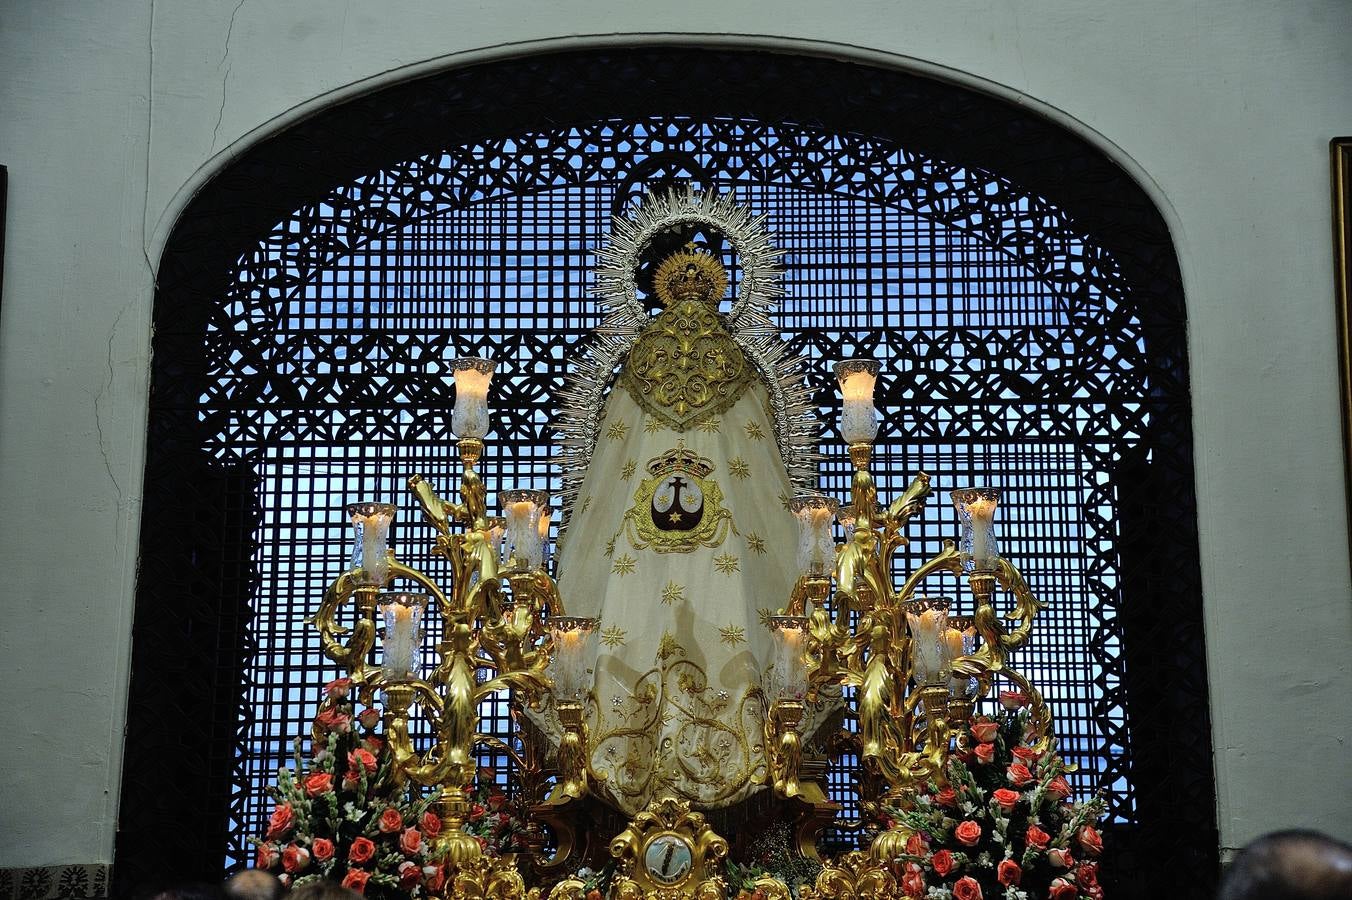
[341,816]
[1004,824]
[771,856]
[496,820]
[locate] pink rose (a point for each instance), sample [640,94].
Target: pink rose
[361,851]
[1006,798]
[362,759]
[984,730]
[410,873]
[333,720]
[318,783]
[943,863]
[430,823]
[322,849]
[410,841]
[282,821]
[338,689]
[913,881]
[967,833]
[1008,872]
[1059,788]
[947,797]
[1019,776]
[1013,699]
[356,879]
[390,820]
[967,889]
[985,753]
[369,717]
[1038,838]
[1062,890]
[1087,875]
[267,856]
[1090,840]
[295,858]
[434,877]
[916,846]
[1059,858]
[1027,755]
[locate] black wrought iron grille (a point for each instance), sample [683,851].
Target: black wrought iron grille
[1021,291]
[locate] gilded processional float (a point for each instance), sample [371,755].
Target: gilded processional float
[704,648]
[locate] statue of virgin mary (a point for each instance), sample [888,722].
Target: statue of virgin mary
[679,537]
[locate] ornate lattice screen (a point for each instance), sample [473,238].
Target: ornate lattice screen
[1019,349]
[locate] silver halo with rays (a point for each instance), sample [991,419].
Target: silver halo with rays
[758,291]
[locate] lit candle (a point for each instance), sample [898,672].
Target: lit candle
[469,419]
[573,651]
[788,668]
[960,640]
[524,544]
[976,511]
[816,547]
[858,418]
[371,524]
[403,632]
[928,620]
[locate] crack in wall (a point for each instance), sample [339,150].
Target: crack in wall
[225,79]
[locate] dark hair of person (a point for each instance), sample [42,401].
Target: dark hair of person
[1289,865]
[324,890]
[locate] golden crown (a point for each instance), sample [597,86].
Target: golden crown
[680,459]
[689,273]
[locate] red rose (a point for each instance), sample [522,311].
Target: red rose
[410,841]
[1060,858]
[369,717]
[1062,890]
[318,783]
[968,833]
[1059,788]
[282,821]
[1006,798]
[967,889]
[1038,838]
[916,846]
[355,879]
[1027,755]
[267,856]
[593,894]
[913,882]
[435,878]
[1013,699]
[338,689]
[362,759]
[322,849]
[943,863]
[295,858]
[410,873]
[984,753]
[496,802]
[1008,872]
[373,744]
[333,720]
[984,730]
[390,820]
[476,812]
[361,850]
[431,824]
[1087,875]
[1019,776]
[947,797]
[1090,840]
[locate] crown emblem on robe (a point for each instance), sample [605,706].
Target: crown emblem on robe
[690,274]
[680,459]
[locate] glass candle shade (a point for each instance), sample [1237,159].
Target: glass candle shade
[371,524]
[469,419]
[960,640]
[574,652]
[523,545]
[497,527]
[927,618]
[976,512]
[787,676]
[403,616]
[543,527]
[846,518]
[858,418]
[816,547]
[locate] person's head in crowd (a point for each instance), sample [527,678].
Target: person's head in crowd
[253,884]
[324,890]
[1290,865]
[190,891]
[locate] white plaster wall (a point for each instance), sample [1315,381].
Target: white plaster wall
[112,112]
